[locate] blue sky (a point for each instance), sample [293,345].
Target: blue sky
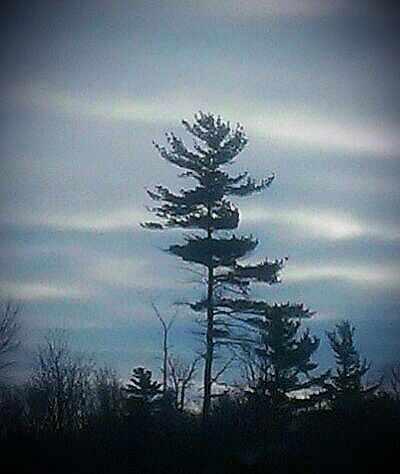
[86,86]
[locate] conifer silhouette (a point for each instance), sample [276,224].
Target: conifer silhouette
[278,359]
[345,386]
[141,386]
[206,210]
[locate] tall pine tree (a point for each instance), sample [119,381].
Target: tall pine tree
[206,210]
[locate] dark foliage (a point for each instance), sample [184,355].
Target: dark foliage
[237,439]
[106,429]
[72,417]
[277,357]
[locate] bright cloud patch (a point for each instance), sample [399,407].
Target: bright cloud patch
[101,222]
[382,275]
[320,223]
[125,109]
[306,128]
[135,273]
[40,291]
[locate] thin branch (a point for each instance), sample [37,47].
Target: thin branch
[222,370]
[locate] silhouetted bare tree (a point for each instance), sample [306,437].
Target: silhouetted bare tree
[166,327]
[181,374]
[61,387]
[8,334]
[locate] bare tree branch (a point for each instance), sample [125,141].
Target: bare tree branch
[224,368]
[166,327]
[8,333]
[181,375]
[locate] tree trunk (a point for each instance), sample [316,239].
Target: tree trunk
[165,361]
[209,345]
[182,398]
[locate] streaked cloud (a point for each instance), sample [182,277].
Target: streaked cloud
[382,275]
[26,249]
[306,222]
[110,107]
[118,272]
[266,9]
[350,183]
[319,223]
[110,221]
[287,124]
[300,127]
[34,291]
[134,273]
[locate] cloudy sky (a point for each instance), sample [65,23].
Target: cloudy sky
[85,88]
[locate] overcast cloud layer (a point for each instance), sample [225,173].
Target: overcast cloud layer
[87,86]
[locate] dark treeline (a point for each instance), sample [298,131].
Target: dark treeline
[281,415]
[71,416]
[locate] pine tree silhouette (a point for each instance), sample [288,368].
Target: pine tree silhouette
[277,357]
[206,208]
[141,387]
[345,386]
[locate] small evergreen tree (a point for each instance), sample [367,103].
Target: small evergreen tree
[277,356]
[345,386]
[206,208]
[141,387]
